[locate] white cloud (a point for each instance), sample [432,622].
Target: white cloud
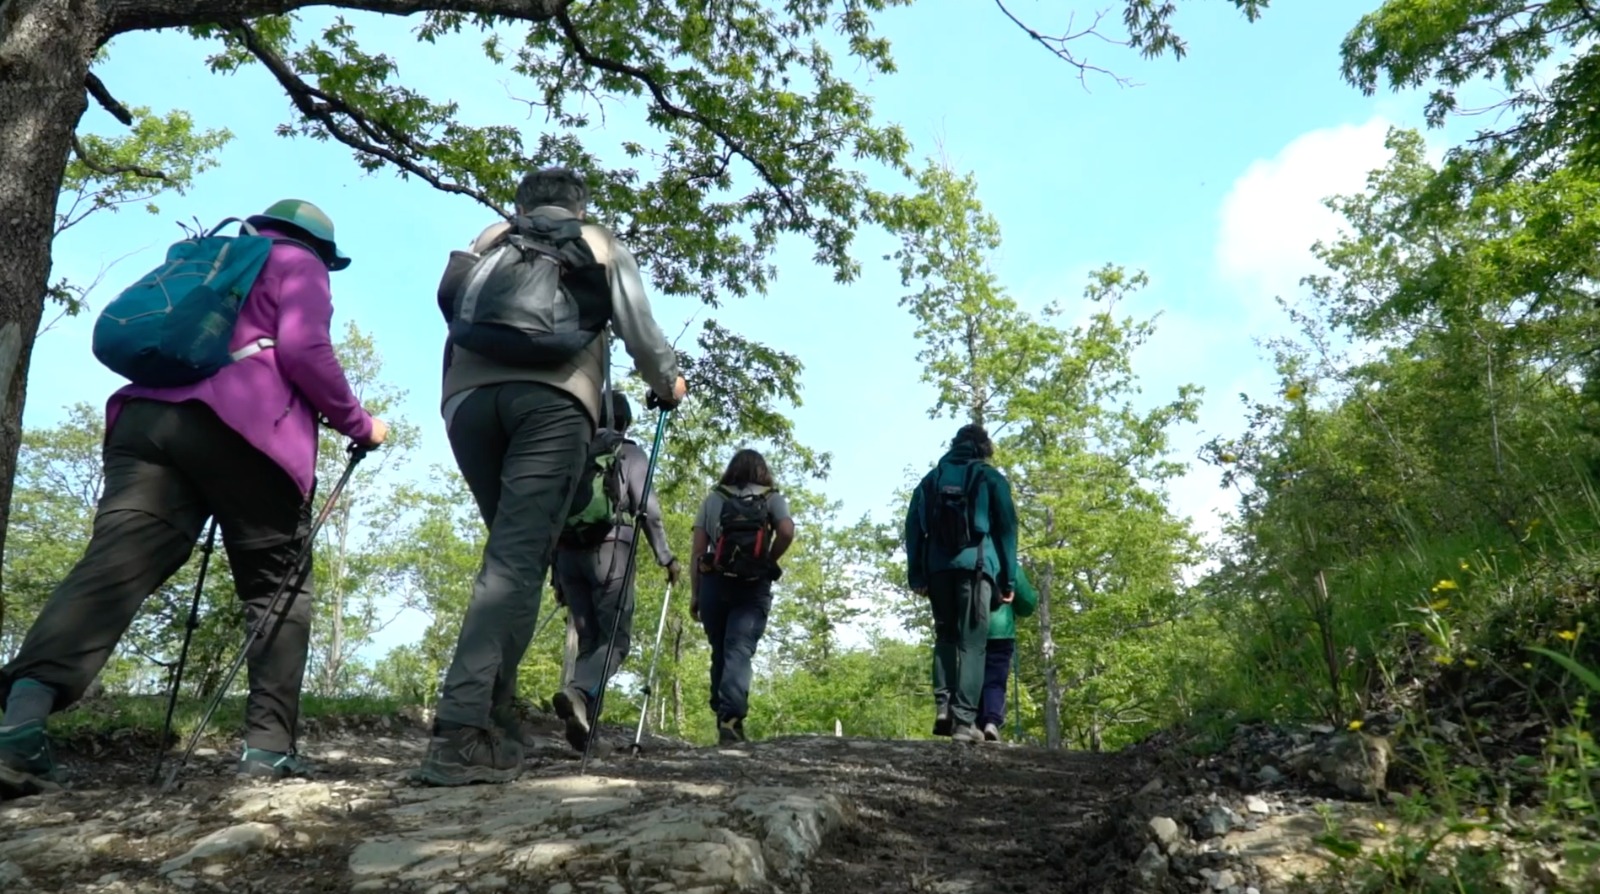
[1274,212]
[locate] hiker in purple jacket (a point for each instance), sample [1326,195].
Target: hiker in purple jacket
[240,446]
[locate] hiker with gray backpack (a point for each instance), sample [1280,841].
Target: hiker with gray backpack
[228,349]
[591,568]
[742,530]
[526,367]
[961,553]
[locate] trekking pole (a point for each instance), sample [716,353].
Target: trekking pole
[298,569]
[627,585]
[183,653]
[650,675]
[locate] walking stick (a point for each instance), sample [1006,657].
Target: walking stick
[183,653]
[650,675]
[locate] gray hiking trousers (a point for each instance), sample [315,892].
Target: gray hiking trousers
[521,447]
[168,467]
[591,581]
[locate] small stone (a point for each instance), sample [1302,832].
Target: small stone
[1256,805]
[1252,890]
[1151,868]
[1223,881]
[1151,787]
[565,887]
[1165,831]
[10,874]
[1215,823]
[1269,775]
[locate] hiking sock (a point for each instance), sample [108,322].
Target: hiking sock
[29,700]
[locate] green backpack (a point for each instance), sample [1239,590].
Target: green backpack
[595,507]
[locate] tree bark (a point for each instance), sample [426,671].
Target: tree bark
[45,48]
[1047,644]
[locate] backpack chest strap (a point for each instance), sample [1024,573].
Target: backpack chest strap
[253,348]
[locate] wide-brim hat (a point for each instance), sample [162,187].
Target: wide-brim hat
[313,221]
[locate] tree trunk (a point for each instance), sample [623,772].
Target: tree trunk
[1047,645]
[45,47]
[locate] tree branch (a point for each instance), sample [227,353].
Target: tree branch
[144,15]
[1058,45]
[97,89]
[360,133]
[667,105]
[114,170]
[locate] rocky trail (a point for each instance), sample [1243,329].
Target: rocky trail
[792,815]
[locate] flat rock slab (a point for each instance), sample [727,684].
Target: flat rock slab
[681,820]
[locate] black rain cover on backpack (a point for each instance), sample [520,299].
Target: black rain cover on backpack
[948,510]
[535,298]
[744,537]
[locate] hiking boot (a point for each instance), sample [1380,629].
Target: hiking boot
[468,754]
[263,764]
[943,723]
[26,765]
[572,705]
[730,731]
[990,733]
[966,733]
[509,721]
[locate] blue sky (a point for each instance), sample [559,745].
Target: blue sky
[1207,176]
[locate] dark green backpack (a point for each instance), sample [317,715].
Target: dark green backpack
[597,501]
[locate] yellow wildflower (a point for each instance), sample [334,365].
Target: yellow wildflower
[1380,826]
[1527,665]
[1444,659]
[1465,566]
[1355,725]
[1568,635]
[1439,605]
[1446,584]
[1469,662]
[1482,811]
[1294,392]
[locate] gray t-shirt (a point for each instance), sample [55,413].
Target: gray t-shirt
[709,518]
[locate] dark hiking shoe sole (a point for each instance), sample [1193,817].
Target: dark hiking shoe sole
[576,714]
[17,784]
[943,726]
[441,774]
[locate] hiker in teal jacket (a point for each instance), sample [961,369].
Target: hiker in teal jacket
[997,663]
[961,552]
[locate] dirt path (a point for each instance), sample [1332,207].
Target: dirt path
[816,814]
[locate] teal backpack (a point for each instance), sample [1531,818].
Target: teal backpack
[173,326]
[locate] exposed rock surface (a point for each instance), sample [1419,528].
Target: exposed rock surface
[798,815]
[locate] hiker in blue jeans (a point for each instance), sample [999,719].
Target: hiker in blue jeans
[741,532]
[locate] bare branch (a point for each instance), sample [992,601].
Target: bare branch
[97,89]
[351,127]
[114,170]
[1058,45]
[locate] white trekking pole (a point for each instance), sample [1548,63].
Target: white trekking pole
[650,675]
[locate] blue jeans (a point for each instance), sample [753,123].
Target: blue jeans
[734,615]
[996,667]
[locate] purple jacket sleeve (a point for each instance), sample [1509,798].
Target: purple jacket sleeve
[305,346]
